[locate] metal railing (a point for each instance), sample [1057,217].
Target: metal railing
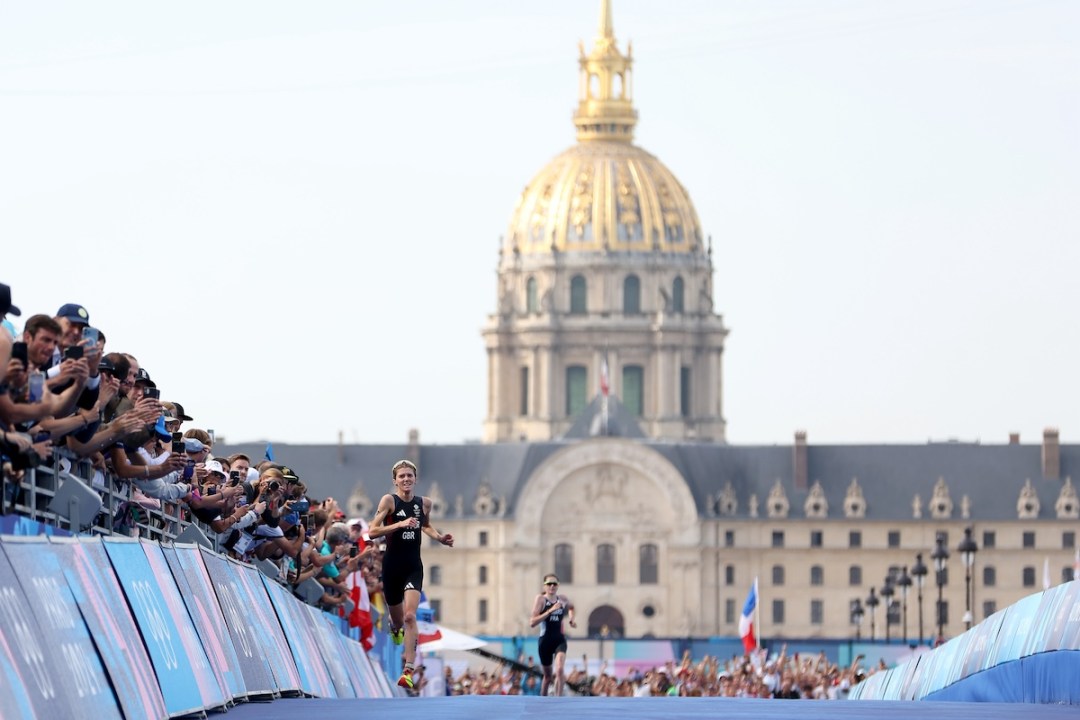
[32,497]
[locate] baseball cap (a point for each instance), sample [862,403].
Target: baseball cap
[141,376]
[6,308]
[192,445]
[215,467]
[74,313]
[159,428]
[180,414]
[289,474]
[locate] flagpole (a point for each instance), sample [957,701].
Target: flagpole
[757,614]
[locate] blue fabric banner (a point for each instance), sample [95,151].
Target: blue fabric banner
[271,637]
[31,684]
[233,598]
[75,662]
[202,605]
[167,635]
[314,677]
[207,684]
[326,635]
[90,577]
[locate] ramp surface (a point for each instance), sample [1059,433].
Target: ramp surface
[470,707]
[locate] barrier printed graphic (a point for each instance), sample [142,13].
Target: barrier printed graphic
[314,677]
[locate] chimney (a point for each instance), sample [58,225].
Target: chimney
[1014,438]
[413,453]
[1051,454]
[798,460]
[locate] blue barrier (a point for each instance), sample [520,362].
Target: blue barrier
[100,629]
[1029,653]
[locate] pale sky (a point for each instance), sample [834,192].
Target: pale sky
[289,212]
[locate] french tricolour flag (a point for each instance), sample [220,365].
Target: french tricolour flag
[746,620]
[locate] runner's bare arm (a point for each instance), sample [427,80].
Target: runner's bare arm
[538,615]
[376,528]
[429,530]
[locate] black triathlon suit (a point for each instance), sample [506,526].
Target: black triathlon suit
[402,569]
[552,640]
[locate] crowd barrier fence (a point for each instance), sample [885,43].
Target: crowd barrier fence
[1028,652]
[124,621]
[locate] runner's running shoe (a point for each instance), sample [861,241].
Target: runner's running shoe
[406,680]
[398,636]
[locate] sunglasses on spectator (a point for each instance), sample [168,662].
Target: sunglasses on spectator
[551,583]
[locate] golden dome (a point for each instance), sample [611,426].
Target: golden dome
[604,193]
[604,196]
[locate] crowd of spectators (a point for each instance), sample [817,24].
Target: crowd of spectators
[62,392]
[758,675]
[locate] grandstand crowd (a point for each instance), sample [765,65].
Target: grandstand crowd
[757,675]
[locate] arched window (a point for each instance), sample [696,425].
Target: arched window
[648,564]
[605,564]
[631,300]
[532,298]
[578,295]
[576,378]
[678,301]
[778,575]
[817,575]
[564,563]
[633,389]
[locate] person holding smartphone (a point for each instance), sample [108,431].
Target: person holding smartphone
[548,612]
[401,518]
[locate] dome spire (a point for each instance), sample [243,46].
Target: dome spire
[605,109]
[607,27]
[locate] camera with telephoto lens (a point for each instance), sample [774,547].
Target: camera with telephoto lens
[274,485]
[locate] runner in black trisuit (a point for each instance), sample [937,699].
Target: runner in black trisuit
[548,610]
[403,571]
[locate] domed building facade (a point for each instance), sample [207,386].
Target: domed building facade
[606,461]
[605,280]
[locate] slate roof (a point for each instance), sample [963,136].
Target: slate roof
[889,475]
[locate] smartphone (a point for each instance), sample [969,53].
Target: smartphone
[90,334]
[36,389]
[151,393]
[234,478]
[354,551]
[177,446]
[18,352]
[74,352]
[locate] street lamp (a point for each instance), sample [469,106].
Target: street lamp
[904,582]
[967,550]
[857,616]
[940,556]
[872,603]
[887,592]
[918,571]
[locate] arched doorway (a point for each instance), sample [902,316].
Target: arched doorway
[606,622]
